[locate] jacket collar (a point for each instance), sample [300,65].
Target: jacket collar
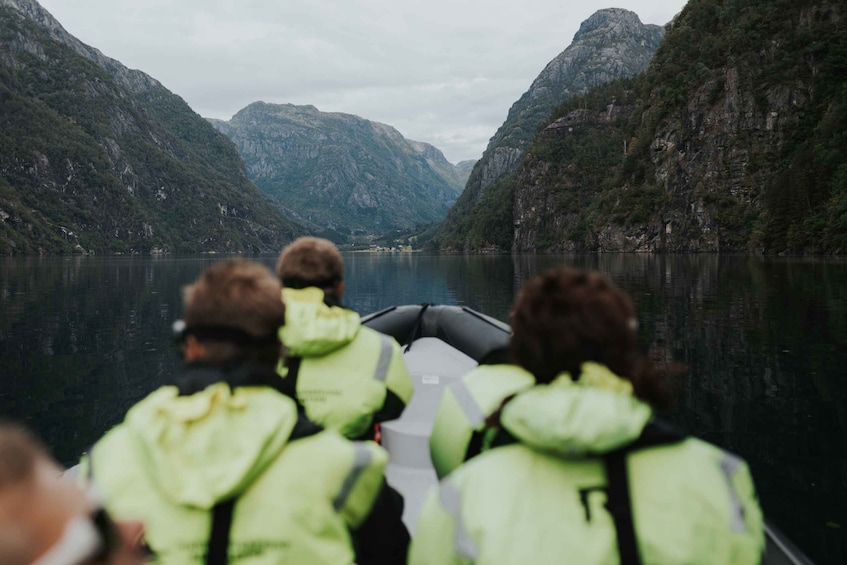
[314,327]
[197,376]
[591,416]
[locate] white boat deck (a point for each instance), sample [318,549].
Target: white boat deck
[433,365]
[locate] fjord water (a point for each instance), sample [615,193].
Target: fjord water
[83,338]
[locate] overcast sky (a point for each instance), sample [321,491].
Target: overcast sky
[440,71]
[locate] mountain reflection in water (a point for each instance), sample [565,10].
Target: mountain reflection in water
[83,338]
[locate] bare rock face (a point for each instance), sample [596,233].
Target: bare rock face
[133,80]
[721,149]
[611,44]
[341,172]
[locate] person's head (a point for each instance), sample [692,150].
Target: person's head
[232,314]
[566,317]
[46,519]
[312,261]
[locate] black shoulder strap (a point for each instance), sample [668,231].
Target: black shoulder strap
[288,385]
[304,427]
[619,506]
[217,551]
[293,365]
[218,548]
[619,502]
[475,444]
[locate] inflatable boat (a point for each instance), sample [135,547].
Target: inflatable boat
[442,343]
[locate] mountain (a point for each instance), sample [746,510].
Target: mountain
[95,157]
[464,169]
[342,172]
[611,44]
[734,139]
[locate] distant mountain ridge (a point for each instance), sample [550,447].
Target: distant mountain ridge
[95,157]
[612,43]
[342,172]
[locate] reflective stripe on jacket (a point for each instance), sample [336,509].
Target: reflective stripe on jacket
[175,457]
[542,500]
[349,375]
[464,407]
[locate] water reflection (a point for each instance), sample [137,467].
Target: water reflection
[81,339]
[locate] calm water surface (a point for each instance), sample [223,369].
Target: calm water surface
[83,338]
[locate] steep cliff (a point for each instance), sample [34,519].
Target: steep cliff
[95,157]
[611,44]
[733,140]
[340,171]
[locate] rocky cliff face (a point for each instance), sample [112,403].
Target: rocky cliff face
[95,157]
[611,44]
[732,141]
[341,172]
[551,193]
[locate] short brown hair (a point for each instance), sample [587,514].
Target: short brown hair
[566,317]
[310,261]
[238,294]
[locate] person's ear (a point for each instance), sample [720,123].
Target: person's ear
[194,350]
[339,290]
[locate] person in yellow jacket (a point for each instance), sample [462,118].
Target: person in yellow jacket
[347,376]
[222,466]
[584,472]
[459,430]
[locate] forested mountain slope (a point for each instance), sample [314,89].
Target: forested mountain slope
[611,44]
[95,157]
[734,139]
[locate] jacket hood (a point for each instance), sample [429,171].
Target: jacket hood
[210,446]
[591,416]
[312,327]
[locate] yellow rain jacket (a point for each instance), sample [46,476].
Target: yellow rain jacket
[542,500]
[458,429]
[296,493]
[348,375]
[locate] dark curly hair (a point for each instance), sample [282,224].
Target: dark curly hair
[566,317]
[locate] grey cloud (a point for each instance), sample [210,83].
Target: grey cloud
[440,71]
